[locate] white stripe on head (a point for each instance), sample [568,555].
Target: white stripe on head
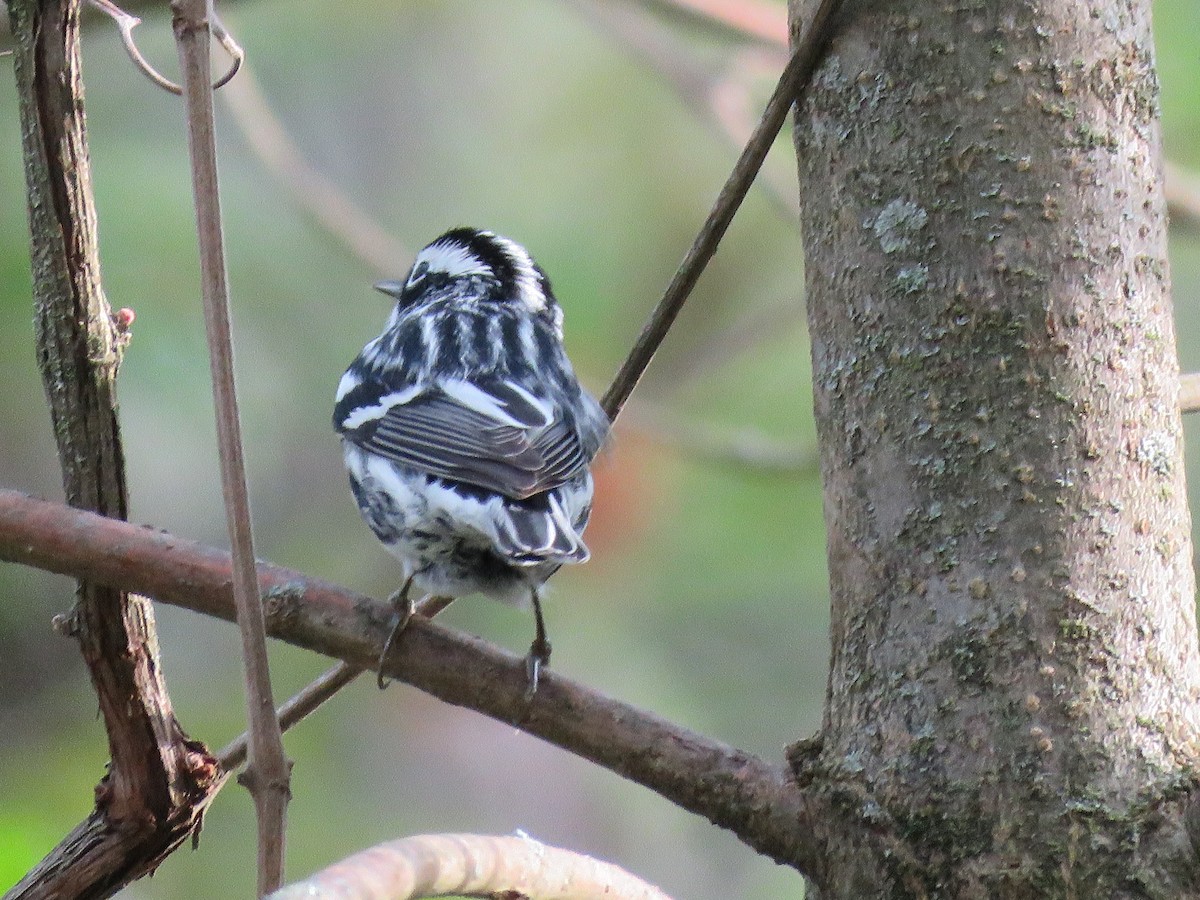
[450,258]
[529,287]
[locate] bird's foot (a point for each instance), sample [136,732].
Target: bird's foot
[404,613]
[539,650]
[538,658]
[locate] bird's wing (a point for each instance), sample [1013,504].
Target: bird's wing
[492,434]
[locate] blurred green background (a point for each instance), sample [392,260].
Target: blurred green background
[706,597]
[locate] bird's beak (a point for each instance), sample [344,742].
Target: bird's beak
[391,288]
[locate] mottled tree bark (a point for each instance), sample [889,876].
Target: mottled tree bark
[1013,697]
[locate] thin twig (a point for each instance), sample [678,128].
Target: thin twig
[315,693]
[475,865]
[757,800]
[268,771]
[795,78]
[126,22]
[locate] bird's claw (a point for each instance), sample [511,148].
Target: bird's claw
[539,656]
[404,613]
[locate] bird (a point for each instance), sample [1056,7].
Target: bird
[467,437]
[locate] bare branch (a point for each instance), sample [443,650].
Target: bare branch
[126,22]
[317,195]
[476,865]
[267,775]
[159,781]
[719,95]
[745,447]
[795,78]
[756,800]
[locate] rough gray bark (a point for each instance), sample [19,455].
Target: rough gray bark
[159,781]
[1013,696]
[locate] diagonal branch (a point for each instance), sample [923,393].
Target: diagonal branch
[795,78]
[756,800]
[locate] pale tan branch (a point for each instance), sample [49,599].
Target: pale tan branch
[126,22]
[474,865]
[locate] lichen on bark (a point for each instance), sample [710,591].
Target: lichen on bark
[1014,682]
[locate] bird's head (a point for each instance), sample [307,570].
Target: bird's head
[467,265]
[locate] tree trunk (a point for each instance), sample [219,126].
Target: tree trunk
[1013,695]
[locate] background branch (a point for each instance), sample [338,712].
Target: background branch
[754,20]
[316,194]
[792,82]
[317,691]
[756,800]
[268,771]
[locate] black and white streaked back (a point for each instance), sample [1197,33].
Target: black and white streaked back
[467,438]
[476,305]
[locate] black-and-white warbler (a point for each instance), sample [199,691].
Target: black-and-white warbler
[466,434]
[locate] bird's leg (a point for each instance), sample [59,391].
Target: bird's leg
[539,650]
[404,612]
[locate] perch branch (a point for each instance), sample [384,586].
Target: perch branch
[756,800]
[267,774]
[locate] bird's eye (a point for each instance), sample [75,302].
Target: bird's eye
[420,270]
